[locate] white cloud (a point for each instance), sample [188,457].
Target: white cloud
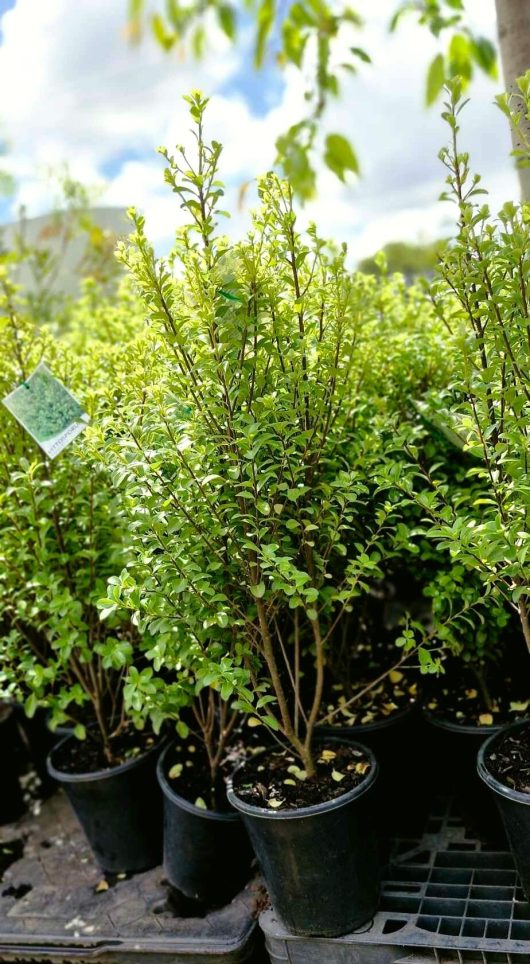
[78,92]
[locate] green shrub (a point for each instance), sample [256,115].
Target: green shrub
[247,464]
[61,536]
[482,295]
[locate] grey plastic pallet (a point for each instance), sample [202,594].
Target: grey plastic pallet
[50,910]
[446,897]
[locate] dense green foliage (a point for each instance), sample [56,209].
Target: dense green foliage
[246,465]
[273,439]
[482,296]
[61,538]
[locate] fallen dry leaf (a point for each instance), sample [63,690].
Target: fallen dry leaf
[485,719]
[327,755]
[362,768]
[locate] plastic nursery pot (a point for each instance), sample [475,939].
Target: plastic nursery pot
[396,741]
[452,754]
[513,806]
[11,799]
[207,854]
[320,863]
[119,809]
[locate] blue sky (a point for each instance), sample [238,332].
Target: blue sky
[6,5]
[79,94]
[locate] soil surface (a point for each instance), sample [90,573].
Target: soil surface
[458,699]
[87,756]
[510,760]
[188,772]
[393,694]
[276,779]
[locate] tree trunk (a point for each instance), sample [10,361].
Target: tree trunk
[513,23]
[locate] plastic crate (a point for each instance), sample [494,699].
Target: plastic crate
[446,897]
[50,910]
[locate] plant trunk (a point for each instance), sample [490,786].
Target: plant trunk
[513,25]
[525,622]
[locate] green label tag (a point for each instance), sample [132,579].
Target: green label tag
[47,410]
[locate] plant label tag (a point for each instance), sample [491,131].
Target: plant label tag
[47,410]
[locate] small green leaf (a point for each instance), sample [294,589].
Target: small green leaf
[485,55]
[31,704]
[258,591]
[160,32]
[339,156]
[265,21]
[361,54]
[227,20]
[435,79]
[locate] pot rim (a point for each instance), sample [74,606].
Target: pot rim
[93,775]
[181,802]
[315,809]
[485,774]
[468,729]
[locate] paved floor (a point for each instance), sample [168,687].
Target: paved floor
[50,898]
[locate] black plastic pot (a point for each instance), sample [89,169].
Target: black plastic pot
[513,806]
[393,741]
[207,854]
[11,799]
[382,737]
[451,758]
[119,809]
[320,863]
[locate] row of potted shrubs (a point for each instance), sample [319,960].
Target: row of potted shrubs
[299,512]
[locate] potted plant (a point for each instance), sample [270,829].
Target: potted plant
[255,532]
[483,296]
[62,535]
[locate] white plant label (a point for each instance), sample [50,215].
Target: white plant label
[47,410]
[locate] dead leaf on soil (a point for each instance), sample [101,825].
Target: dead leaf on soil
[297,772]
[519,707]
[362,768]
[327,756]
[485,719]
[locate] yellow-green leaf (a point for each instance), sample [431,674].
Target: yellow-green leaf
[435,79]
